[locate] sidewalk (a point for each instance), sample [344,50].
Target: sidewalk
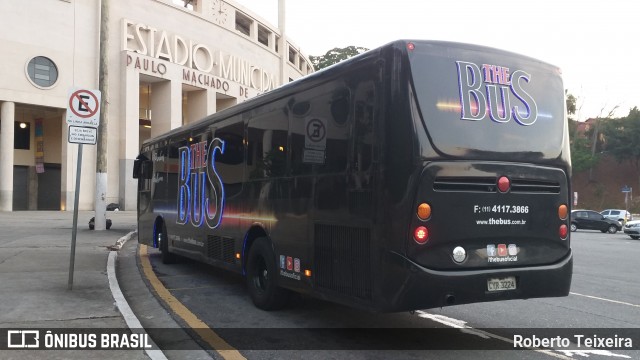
[34,270]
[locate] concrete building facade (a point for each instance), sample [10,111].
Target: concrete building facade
[169,65]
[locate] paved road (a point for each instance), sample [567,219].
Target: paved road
[604,294]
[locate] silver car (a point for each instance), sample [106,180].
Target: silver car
[632,228]
[621,216]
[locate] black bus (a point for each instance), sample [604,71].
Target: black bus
[420,174]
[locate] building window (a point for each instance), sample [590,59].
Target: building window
[277,42]
[243,23]
[292,56]
[22,136]
[42,72]
[263,35]
[187,4]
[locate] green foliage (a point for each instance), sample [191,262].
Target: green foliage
[335,55]
[622,137]
[581,157]
[571,104]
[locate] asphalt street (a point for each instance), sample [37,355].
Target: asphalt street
[604,295]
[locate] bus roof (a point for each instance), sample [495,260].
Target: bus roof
[324,75]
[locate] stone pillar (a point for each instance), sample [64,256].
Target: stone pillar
[7,130]
[129,137]
[201,103]
[166,106]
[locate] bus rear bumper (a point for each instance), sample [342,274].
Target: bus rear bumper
[425,288]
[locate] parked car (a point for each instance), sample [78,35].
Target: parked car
[632,228]
[593,220]
[621,216]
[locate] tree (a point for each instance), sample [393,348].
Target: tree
[571,104]
[622,140]
[581,155]
[335,55]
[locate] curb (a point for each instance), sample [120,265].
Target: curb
[120,301]
[118,245]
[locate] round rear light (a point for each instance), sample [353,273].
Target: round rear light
[562,212]
[424,211]
[421,235]
[563,231]
[504,184]
[411,46]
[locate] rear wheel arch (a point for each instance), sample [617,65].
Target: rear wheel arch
[254,233]
[262,277]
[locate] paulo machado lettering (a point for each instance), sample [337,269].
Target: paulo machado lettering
[579,341]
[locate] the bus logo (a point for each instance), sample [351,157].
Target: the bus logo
[200,189]
[491,90]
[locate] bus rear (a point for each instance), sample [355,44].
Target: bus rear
[489,188]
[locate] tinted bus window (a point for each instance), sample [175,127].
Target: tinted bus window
[268,145]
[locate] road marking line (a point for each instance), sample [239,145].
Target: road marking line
[123,306]
[208,335]
[191,288]
[603,299]
[460,324]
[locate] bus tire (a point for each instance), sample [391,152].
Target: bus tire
[166,256]
[262,276]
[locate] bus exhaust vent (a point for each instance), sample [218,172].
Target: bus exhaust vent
[470,184]
[535,186]
[343,260]
[220,248]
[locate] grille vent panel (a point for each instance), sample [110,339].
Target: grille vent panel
[343,260]
[220,248]
[489,185]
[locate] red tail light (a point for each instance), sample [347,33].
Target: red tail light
[563,231]
[504,184]
[421,235]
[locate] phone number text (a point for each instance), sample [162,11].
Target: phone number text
[500,209]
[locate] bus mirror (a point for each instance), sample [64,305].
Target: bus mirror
[137,164]
[142,169]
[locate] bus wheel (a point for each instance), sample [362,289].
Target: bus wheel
[163,238]
[261,278]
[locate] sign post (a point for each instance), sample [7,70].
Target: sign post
[626,190]
[83,118]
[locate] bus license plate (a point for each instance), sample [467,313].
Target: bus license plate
[508,283]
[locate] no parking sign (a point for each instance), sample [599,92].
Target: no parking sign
[83,108]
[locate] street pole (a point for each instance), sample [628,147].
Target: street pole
[74,231]
[101,151]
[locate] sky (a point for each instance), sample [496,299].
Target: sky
[596,43]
